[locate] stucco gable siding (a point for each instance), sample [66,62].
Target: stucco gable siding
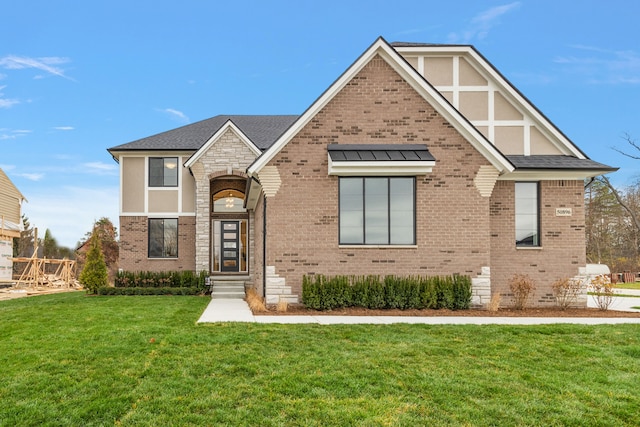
[510,125]
[377,107]
[133,180]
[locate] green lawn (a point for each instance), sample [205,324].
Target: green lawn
[635,285]
[69,359]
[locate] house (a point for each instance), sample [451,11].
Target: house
[10,223]
[419,159]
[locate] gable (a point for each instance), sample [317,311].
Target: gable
[228,145]
[472,85]
[384,54]
[378,125]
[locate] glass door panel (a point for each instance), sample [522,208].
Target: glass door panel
[230,241]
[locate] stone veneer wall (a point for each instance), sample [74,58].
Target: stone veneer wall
[227,156]
[377,107]
[134,250]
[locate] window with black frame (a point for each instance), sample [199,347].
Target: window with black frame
[163,238]
[527,216]
[377,211]
[163,171]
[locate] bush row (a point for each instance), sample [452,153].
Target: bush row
[161,279]
[185,290]
[391,292]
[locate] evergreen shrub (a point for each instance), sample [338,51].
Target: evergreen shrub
[320,292]
[161,279]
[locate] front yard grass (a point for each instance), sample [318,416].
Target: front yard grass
[70,359]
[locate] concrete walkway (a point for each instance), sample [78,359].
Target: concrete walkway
[237,310]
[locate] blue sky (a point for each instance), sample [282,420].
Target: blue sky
[78,77]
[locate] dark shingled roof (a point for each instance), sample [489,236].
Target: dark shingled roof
[383,152]
[263,131]
[556,162]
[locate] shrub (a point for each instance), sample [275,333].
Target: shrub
[602,291]
[255,301]
[566,291]
[461,299]
[522,286]
[94,274]
[161,279]
[494,303]
[394,292]
[368,292]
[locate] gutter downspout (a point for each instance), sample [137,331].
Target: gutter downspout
[264,249]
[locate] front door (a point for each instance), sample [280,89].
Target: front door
[230,246]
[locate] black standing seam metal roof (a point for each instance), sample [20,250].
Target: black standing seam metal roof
[383,152]
[262,130]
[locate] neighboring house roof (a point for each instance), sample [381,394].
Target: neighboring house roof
[263,130]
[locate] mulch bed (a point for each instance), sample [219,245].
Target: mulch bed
[503,312]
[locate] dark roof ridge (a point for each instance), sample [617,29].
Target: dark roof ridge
[263,130]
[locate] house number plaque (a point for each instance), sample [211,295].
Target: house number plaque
[563,212]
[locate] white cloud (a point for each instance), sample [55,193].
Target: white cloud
[12,134]
[64,128]
[100,168]
[176,114]
[31,176]
[5,102]
[70,212]
[46,64]
[482,23]
[8,103]
[602,66]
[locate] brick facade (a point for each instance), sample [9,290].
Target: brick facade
[465,215]
[377,107]
[562,249]
[135,247]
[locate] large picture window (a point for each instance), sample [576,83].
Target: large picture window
[163,238]
[527,214]
[163,171]
[377,211]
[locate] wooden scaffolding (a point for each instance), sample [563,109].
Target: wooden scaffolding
[35,273]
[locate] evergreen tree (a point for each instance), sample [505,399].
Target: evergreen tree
[94,273]
[49,245]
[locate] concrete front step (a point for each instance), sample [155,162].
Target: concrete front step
[227,295]
[228,288]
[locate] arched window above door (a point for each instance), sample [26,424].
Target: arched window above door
[228,201]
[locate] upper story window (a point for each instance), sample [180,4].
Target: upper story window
[527,214]
[163,171]
[377,211]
